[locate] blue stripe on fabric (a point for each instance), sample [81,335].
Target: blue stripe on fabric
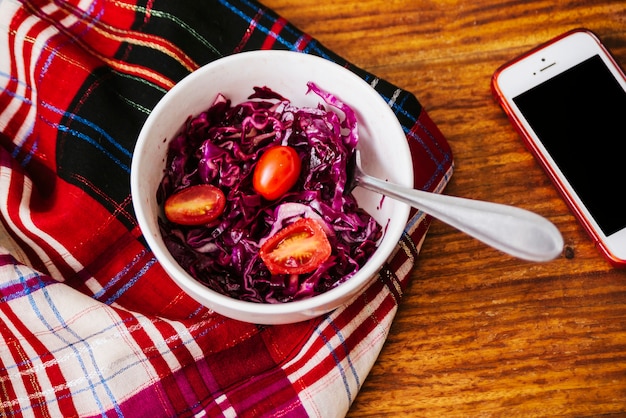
[28,286]
[120,275]
[33,149]
[347,349]
[313,45]
[195,313]
[335,357]
[440,165]
[48,62]
[419,215]
[76,133]
[131,282]
[70,40]
[402,100]
[399,109]
[72,345]
[417,218]
[29,102]
[91,125]
[92,142]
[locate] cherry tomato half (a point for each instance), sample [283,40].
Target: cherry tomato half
[195,205]
[276,171]
[297,248]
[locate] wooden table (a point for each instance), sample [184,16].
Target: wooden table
[478,332]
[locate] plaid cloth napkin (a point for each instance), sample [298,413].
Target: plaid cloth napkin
[90,324]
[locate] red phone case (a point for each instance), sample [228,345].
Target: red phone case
[539,156]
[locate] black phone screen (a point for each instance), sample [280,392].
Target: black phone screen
[580,117]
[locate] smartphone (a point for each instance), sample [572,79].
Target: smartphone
[567,100]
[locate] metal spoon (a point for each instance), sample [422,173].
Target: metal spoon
[512,230]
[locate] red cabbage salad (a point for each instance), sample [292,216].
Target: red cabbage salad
[291,244]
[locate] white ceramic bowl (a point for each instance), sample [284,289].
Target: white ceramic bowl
[384,153]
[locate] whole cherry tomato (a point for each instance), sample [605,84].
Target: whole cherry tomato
[195,205]
[276,171]
[297,248]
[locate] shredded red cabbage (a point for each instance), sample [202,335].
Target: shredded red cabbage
[221,146]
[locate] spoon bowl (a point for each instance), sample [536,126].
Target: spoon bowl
[514,231]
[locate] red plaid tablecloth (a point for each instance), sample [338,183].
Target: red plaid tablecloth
[90,324]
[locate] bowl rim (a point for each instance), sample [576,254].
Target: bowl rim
[214,299]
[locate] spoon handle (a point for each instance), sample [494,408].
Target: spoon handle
[512,230]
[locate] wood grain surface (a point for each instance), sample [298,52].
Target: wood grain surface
[477,332]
